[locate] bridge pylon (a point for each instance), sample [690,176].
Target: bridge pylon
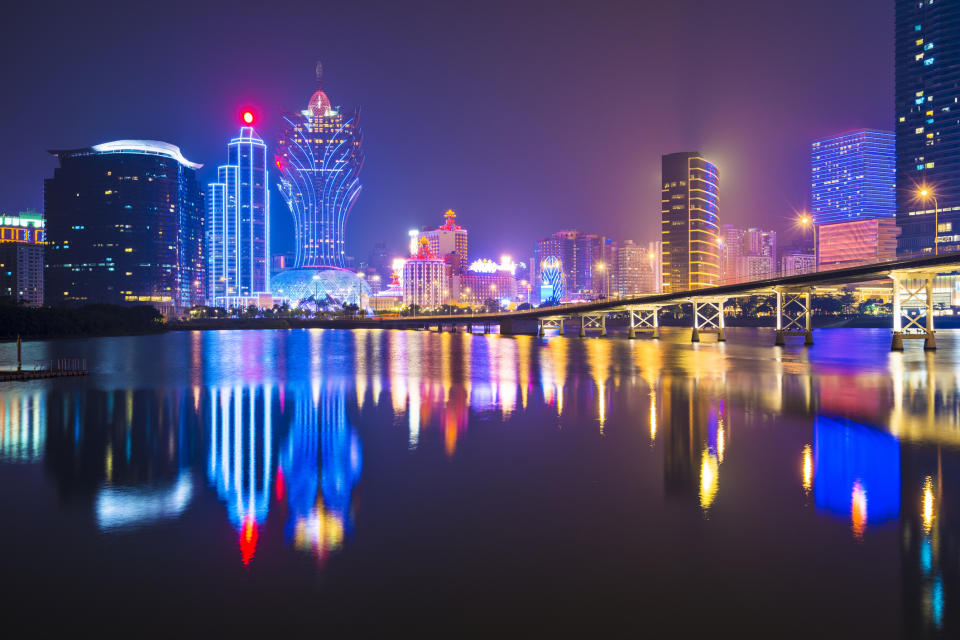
[793,306]
[708,318]
[913,290]
[551,322]
[644,319]
[593,322]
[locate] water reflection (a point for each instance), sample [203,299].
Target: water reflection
[272,428]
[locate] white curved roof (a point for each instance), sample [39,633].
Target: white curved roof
[152,147]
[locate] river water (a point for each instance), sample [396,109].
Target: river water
[376,482]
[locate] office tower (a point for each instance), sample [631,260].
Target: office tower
[927,67]
[449,242]
[319,158]
[849,244]
[853,177]
[796,262]
[589,262]
[125,225]
[638,269]
[747,254]
[425,280]
[21,257]
[689,208]
[238,224]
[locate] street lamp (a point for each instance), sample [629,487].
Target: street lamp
[926,193]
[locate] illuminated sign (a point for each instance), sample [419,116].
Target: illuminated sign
[485,265]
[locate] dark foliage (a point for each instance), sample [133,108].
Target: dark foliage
[91,320]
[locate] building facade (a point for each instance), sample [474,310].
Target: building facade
[849,244]
[22,238]
[747,254]
[319,158]
[449,241]
[125,226]
[485,280]
[562,246]
[794,263]
[689,208]
[853,177]
[238,224]
[926,91]
[638,269]
[425,280]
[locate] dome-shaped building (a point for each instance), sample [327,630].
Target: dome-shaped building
[321,288]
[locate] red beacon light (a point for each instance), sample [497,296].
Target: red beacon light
[248,117]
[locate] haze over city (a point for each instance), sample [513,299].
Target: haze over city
[523,117]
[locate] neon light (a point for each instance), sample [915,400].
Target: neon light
[149,147]
[248,117]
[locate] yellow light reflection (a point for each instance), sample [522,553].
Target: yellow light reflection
[928,505]
[858,510]
[709,479]
[653,416]
[807,468]
[721,442]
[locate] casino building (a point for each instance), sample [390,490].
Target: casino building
[319,157]
[125,226]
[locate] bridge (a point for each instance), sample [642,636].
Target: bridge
[912,316]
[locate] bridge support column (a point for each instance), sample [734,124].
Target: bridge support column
[913,292]
[794,316]
[593,322]
[708,318]
[644,319]
[549,323]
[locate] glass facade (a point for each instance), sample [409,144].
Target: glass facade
[853,177]
[319,159]
[238,223]
[689,208]
[125,226]
[848,244]
[927,89]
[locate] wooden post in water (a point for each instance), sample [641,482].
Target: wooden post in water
[19,358]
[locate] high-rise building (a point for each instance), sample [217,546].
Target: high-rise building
[796,262]
[125,225]
[747,254]
[849,244]
[319,158]
[425,280]
[638,269]
[449,241]
[562,246]
[21,257]
[589,262]
[689,208]
[853,177]
[238,224]
[485,280]
[927,88]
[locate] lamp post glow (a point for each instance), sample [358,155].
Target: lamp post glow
[926,193]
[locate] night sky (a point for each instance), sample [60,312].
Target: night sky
[524,117]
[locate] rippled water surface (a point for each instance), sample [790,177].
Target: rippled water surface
[369,482]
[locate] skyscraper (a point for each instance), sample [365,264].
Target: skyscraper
[238,223]
[125,225]
[21,257]
[853,177]
[689,208]
[927,88]
[319,158]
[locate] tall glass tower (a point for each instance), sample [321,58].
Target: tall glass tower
[927,89]
[689,210]
[319,157]
[853,177]
[238,206]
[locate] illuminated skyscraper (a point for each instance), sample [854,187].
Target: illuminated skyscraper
[689,207]
[319,158]
[125,225]
[238,223]
[853,177]
[425,280]
[927,88]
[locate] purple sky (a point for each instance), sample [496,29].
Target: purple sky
[524,117]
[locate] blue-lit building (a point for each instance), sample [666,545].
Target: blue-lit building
[853,177]
[319,157]
[125,226]
[238,224]
[926,94]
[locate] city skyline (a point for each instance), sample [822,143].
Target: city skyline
[431,120]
